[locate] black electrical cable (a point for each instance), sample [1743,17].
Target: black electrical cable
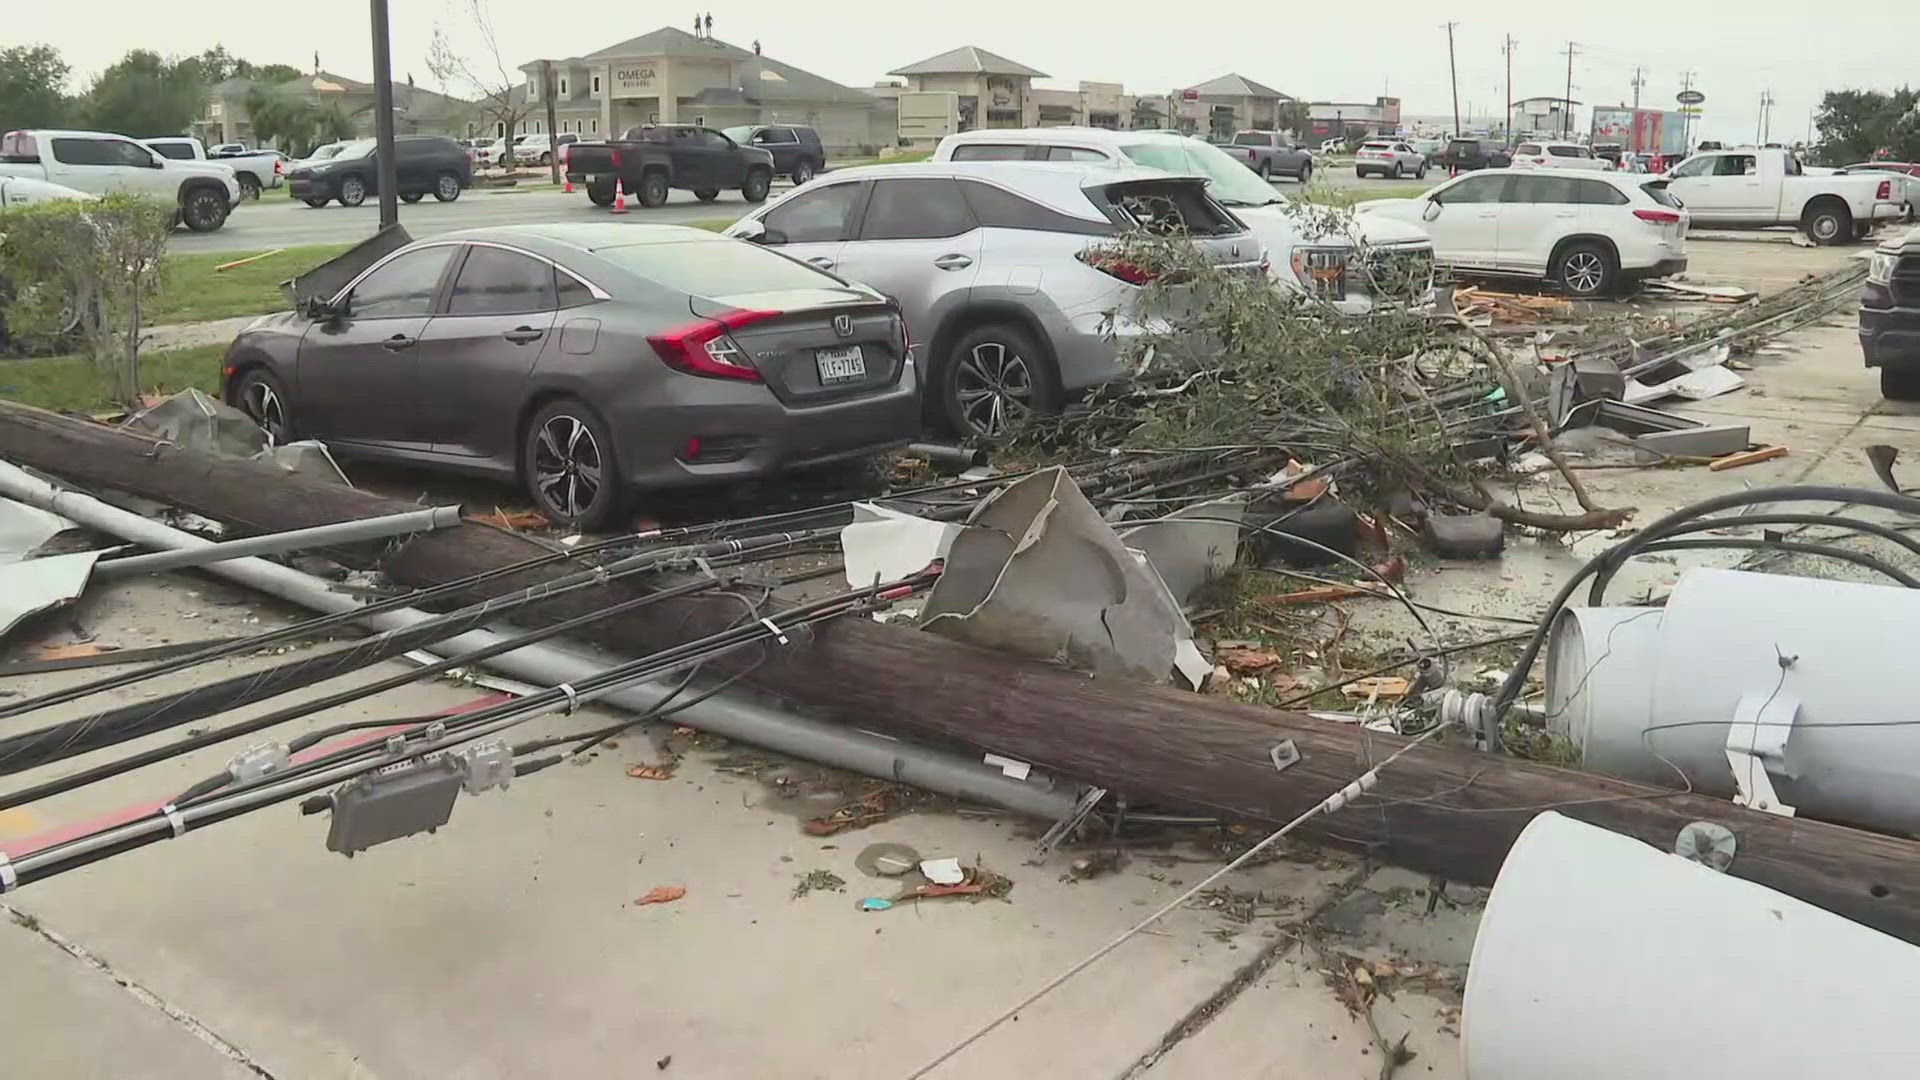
[1604,576]
[1739,543]
[61,740]
[1516,679]
[1397,664]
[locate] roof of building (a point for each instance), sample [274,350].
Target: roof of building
[968,60]
[1548,100]
[762,77]
[667,41]
[1234,85]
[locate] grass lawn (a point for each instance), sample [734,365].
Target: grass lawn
[894,159]
[70,383]
[192,291]
[715,224]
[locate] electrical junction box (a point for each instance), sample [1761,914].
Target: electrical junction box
[397,801]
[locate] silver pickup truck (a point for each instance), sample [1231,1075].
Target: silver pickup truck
[1271,154]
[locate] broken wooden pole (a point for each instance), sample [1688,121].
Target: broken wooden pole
[1439,810]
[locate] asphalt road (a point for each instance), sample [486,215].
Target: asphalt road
[277,221]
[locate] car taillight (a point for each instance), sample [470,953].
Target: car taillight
[1113,266]
[902,331]
[1886,190]
[276,167]
[1658,217]
[616,159]
[702,347]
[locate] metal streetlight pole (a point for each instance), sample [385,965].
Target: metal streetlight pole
[383,118]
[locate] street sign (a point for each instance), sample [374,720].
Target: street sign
[1690,97]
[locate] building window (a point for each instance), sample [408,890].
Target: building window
[563,86]
[533,89]
[596,125]
[699,121]
[537,128]
[596,84]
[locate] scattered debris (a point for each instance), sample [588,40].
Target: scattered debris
[819,881]
[875,903]
[1246,660]
[886,860]
[512,520]
[652,772]
[1098,864]
[662,894]
[1464,536]
[943,871]
[1734,461]
[1377,687]
[870,809]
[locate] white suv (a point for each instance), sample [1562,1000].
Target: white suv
[1558,155]
[997,267]
[1592,235]
[1391,158]
[1305,252]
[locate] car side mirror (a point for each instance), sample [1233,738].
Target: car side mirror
[317,309]
[1434,206]
[752,231]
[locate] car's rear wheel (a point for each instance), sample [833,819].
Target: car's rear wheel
[353,191]
[995,376]
[412,196]
[249,187]
[1827,222]
[1265,170]
[754,190]
[446,187]
[568,462]
[600,194]
[706,194]
[1421,172]
[316,201]
[1395,172]
[653,189]
[1306,172]
[1359,172]
[1900,384]
[1585,269]
[262,397]
[546,159]
[204,209]
[802,172]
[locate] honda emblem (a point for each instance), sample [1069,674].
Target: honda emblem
[843,325]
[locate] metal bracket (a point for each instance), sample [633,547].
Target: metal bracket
[1757,745]
[257,761]
[1063,828]
[1283,755]
[486,765]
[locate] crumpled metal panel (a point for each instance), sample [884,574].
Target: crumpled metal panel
[35,585]
[24,528]
[193,420]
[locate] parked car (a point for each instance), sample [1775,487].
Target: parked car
[1271,154]
[1332,146]
[537,149]
[24,191]
[653,158]
[1307,255]
[1469,154]
[423,164]
[323,152]
[1612,153]
[1909,184]
[1590,234]
[1557,155]
[1390,158]
[990,262]
[1428,148]
[495,152]
[99,163]
[1890,316]
[1759,187]
[255,169]
[796,151]
[476,150]
[586,361]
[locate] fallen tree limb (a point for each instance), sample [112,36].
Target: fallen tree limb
[1439,810]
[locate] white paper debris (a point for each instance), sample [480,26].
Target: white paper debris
[1013,770]
[943,871]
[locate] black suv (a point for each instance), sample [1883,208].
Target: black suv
[796,150]
[1890,319]
[1466,155]
[423,164]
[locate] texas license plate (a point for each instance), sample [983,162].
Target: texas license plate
[842,365]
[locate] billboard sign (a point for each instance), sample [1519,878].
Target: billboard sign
[1690,97]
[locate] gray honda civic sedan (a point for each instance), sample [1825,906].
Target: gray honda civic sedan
[586,362]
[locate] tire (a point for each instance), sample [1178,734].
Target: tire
[1585,269]
[446,187]
[412,197]
[1900,384]
[1264,171]
[600,195]
[546,160]
[1862,230]
[706,194]
[755,188]
[1306,173]
[1827,223]
[1421,172]
[803,171]
[204,209]
[569,466]
[316,201]
[352,190]
[249,187]
[1359,172]
[653,189]
[261,395]
[981,360]
[1395,172]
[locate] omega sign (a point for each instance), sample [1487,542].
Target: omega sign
[633,79]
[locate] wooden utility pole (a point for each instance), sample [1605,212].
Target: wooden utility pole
[1638,82]
[1566,103]
[1453,74]
[553,126]
[1439,810]
[1506,49]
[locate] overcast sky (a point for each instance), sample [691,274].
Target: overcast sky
[1320,52]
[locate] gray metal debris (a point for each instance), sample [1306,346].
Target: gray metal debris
[24,528]
[35,585]
[193,420]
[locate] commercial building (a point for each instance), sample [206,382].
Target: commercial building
[1230,103]
[991,90]
[1546,116]
[671,76]
[1353,119]
[225,117]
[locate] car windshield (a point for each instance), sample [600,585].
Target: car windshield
[742,134]
[1251,138]
[716,268]
[322,153]
[359,148]
[1375,146]
[1228,180]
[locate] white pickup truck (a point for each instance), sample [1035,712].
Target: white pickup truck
[1751,188]
[255,169]
[102,164]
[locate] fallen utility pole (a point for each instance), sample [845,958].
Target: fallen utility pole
[1442,811]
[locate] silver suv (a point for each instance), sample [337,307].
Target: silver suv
[988,261]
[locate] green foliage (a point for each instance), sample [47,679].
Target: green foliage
[146,95]
[275,74]
[193,290]
[1293,117]
[33,82]
[1858,125]
[83,271]
[72,384]
[294,123]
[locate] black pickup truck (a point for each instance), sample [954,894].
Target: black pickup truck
[655,157]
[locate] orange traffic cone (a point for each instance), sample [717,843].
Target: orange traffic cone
[566,184]
[619,197]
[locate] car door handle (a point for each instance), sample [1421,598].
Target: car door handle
[955,261]
[398,342]
[520,335]
[821,261]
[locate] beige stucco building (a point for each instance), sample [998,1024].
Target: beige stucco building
[994,92]
[671,76]
[1227,104]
